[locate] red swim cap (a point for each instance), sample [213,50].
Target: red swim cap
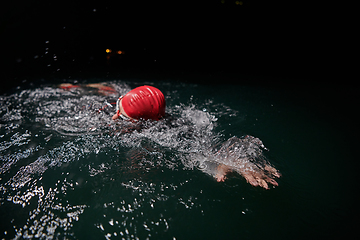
[144,102]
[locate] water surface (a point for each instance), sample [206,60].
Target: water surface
[67,171]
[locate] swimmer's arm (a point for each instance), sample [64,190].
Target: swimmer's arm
[102,89]
[67,86]
[259,177]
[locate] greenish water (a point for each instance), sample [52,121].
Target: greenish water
[66,172]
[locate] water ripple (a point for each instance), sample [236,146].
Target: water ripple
[65,162]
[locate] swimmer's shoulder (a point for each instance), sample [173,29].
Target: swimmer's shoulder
[169,119]
[173,121]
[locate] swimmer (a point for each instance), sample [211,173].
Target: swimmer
[147,102]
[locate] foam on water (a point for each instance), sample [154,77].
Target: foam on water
[60,156]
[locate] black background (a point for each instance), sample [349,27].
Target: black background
[289,41]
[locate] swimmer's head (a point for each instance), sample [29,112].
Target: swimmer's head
[145,102]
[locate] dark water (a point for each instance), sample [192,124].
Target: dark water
[66,172]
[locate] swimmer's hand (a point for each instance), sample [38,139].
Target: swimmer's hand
[260,177]
[256,176]
[221,172]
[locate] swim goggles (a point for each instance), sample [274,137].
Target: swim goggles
[118,109]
